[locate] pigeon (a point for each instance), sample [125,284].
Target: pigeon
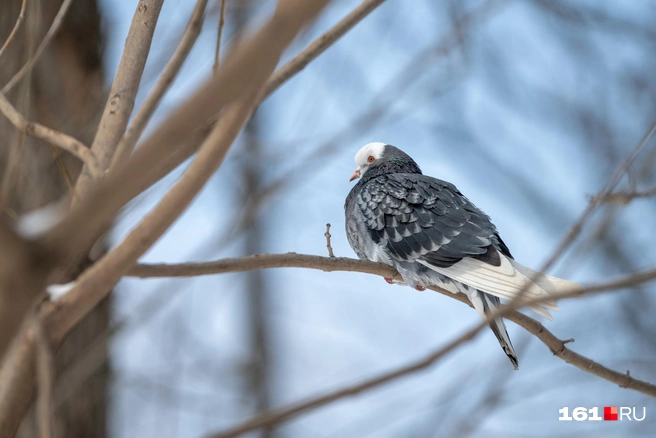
[434,236]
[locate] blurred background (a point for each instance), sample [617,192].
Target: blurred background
[527,106]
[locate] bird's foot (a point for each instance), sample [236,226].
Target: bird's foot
[420,288]
[389,280]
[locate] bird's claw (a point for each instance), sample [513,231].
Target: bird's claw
[389,280]
[420,288]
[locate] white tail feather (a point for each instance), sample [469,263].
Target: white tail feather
[551,285]
[507,281]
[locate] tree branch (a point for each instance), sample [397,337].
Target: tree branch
[54,28]
[45,376]
[57,138]
[329,247]
[623,198]
[318,46]
[14,31]
[219,33]
[331,264]
[575,229]
[141,119]
[124,88]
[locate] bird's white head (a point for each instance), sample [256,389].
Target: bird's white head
[366,157]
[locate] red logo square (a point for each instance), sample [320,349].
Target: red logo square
[610,413]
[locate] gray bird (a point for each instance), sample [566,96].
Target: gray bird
[435,236]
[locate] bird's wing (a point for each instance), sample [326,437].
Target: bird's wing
[417,216]
[426,220]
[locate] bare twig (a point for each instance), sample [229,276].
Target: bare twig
[124,89]
[575,230]
[328,236]
[64,171]
[219,32]
[623,198]
[145,112]
[330,264]
[262,261]
[14,31]
[45,378]
[54,27]
[318,46]
[594,202]
[12,169]
[18,372]
[46,134]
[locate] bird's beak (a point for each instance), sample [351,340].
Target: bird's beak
[355,175]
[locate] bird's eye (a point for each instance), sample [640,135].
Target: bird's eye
[371,159]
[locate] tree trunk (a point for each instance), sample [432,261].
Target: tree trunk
[64,91]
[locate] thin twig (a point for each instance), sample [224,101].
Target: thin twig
[328,236]
[594,202]
[14,165]
[124,89]
[12,169]
[330,264]
[318,46]
[54,27]
[48,135]
[64,171]
[623,198]
[14,31]
[575,230]
[45,379]
[145,112]
[217,53]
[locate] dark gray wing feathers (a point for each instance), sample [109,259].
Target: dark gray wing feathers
[416,216]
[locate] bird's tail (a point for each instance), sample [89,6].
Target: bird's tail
[485,304]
